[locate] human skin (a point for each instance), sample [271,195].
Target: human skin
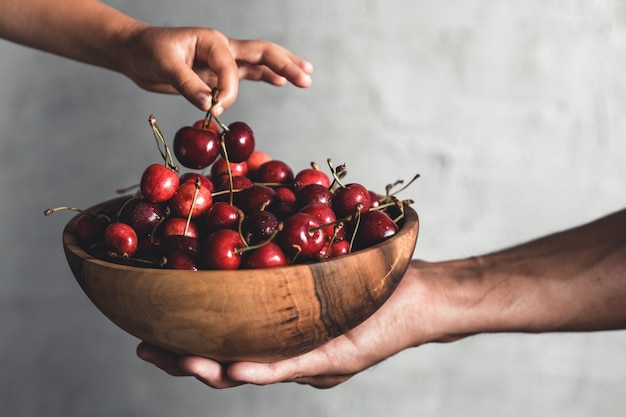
[190,61]
[570,281]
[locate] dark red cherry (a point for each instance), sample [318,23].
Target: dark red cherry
[257,197]
[269,255]
[258,226]
[221,215]
[238,141]
[313,193]
[196,148]
[336,248]
[159,183]
[89,229]
[301,236]
[206,124]
[374,227]
[347,200]
[276,172]
[324,213]
[121,239]
[142,215]
[220,250]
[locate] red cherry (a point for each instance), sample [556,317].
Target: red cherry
[257,197]
[90,229]
[255,160]
[311,176]
[219,170]
[301,235]
[238,141]
[219,250]
[259,226]
[374,199]
[221,215]
[374,227]
[269,255]
[347,200]
[240,182]
[275,171]
[336,248]
[159,183]
[205,181]
[196,148]
[175,226]
[121,239]
[313,193]
[182,201]
[205,124]
[142,215]
[181,260]
[324,213]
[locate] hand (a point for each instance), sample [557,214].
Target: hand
[191,61]
[400,323]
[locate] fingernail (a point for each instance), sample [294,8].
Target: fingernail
[217,109]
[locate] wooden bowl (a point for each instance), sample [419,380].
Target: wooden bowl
[258,315]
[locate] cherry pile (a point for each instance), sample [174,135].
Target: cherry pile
[235,207]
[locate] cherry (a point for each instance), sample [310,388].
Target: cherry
[206,124]
[269,255]
[181,260]
[255,160]
[159,183]
[222,215]
[374,227]
[275,171]
[176,243]
[336,248]
[349,199]
[324,213]
[89,229]
[220,250]
[149,248]
[179,226]
[284,204]
[285,195]
[374,199]
[239,182]
[196,148]
[219,170]
[257,197]
[205,181]
[313,193]
[121,239]
[238,141]
[259,226]
[311,175]
[190,195]
[301,235]
[141,214]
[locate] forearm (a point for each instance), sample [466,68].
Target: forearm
[84,30]
[569,281]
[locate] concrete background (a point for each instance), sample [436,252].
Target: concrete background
[513,113]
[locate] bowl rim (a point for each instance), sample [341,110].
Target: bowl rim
[410,221]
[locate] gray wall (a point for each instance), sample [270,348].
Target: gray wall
[513,112]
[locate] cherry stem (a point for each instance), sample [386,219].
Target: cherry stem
[50,211]
[228,169]
[127,189]
[160,263]
[357,224]
[260,244]
[198,184]
[162,144]
[214,102]
[337,173]
[389,187]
